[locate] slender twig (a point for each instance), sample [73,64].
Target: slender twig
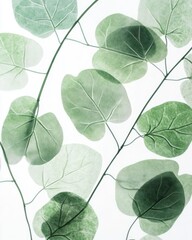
[7,181]
[29,70]
[19,190]
[128,144]
[127,236]
[177,80]
[159,69]
[84,37]
[27,203]
[113,135]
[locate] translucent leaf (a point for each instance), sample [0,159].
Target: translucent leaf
[148,237]
[39,139]
[160,199]
[188,65]
[126,46]
[42,18]
[186,91]
[71,170]
[92,99]
[168,17]
[54,220]
[167,128]
[127,185]
[16,54]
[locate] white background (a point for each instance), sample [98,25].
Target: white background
[72,59]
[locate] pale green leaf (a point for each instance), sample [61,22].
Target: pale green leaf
[186,91]
[62,218]
[188,65]
[127,185]
[168,17]
[39,139]
[16,54]
[42,18]
[186,86]
[74,169]
[167,128]
[92,99]
[125,48]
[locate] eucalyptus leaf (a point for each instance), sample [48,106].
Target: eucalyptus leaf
[170,18]
[23,134]
[92,99]
[62,218]
[125,48]
[167,128]
[127,185]
[17,53]
[161,198]
[188,65]
[71,170]
[42,18]
[186,91]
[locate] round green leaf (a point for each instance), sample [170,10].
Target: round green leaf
[167,128]
[39,139]
[170,18]
[42,18]
[17,53]
[126,46]
[61,218]
[160,199]
[188,65]
[92,99]
[70,170]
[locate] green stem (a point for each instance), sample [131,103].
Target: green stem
[7,181]
[19,190]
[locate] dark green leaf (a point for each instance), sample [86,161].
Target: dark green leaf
[75,168]
[168,17]
[60,219]
[167,128]
[42,18]
[39,139]
[127,185]
[160,199]
[16,54]
[92,99]
[126,46]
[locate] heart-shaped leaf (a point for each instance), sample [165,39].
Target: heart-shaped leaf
[62,218]
[125,48]
[92,99]
[23,134]
[42,18]
[170,18]
[71,170]
[17,53]
[167,128]
[130,179]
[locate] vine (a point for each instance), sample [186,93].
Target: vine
[150,190]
